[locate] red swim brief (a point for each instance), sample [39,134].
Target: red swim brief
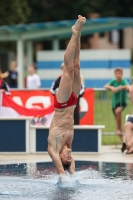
[71,102]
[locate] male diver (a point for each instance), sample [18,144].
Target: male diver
[62,126]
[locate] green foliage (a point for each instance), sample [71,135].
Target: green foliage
[53,10]
[22,11]
[13,12]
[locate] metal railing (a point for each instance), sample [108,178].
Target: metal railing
[103,113]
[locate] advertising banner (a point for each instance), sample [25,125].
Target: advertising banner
[40,102]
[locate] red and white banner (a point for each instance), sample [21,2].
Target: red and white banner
[10,108]
[87,107]
[40,102]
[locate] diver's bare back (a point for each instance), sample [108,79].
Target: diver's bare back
[61,129]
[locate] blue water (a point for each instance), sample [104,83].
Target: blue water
[92,181]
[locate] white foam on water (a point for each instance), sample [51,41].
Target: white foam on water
[83,185]
[67,181]
[5,192]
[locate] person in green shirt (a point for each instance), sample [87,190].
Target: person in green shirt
[119,98]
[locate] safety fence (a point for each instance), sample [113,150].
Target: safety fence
[103,113]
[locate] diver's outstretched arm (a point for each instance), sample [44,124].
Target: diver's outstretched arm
[56,160]
[72,167]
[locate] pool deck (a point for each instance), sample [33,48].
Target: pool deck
[108,154]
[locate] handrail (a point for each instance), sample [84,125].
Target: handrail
[25,89]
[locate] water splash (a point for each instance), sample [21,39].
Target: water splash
[67,181]
[86,184]
[12,193]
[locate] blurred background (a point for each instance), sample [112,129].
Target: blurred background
[107,32]
[37,32]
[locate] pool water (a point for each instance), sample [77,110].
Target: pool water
[92,181]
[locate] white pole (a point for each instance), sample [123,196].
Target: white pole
[20,58]
[29,53]
[55,44]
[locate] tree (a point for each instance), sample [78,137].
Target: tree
[53,10]
[14,11]
[117,8]
[23,11]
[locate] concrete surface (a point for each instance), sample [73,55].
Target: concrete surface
[108,154]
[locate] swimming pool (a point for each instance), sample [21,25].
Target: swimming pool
[92,181]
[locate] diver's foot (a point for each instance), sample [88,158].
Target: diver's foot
[78,25]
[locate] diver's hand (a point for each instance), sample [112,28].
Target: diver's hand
[64,177]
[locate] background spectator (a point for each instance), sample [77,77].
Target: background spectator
[33,79]
[76,111]
[13,75]
[3,85]
[54,89]
[119,98]
[129,128]
[129,137]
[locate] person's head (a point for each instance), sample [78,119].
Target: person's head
[62,66]
[13,65]
[118,73]
[31,69]
[66,157]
